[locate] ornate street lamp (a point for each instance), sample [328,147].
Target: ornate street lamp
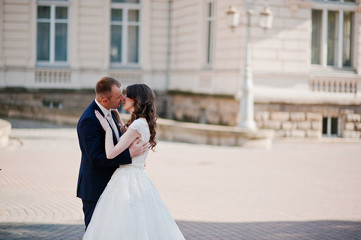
[234,13]
[266,18]
[246,111]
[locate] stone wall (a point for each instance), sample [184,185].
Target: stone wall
[59,106]
[306,124]
[351,125]
[220,110]
[305,120]
[291,124]
[287,120]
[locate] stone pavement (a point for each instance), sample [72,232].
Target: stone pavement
[293,191]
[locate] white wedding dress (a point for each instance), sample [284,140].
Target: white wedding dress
[130,207]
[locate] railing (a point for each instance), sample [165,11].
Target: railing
[333,85]
[52,76]
[62,77]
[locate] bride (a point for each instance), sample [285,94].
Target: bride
[130,207]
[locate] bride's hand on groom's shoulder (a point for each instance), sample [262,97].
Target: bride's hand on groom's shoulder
[102,120]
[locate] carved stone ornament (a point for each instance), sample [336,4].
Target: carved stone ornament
[292,4]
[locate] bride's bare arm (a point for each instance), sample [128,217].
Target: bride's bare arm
[124,142]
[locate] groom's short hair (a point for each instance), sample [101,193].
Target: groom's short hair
[105,84]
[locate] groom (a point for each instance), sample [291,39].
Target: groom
[95,169]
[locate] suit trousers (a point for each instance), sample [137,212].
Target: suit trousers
[88,209]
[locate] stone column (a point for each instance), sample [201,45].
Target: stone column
[5,129]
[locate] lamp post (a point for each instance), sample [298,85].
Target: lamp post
[246,111]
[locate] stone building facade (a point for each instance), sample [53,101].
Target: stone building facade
[306,68]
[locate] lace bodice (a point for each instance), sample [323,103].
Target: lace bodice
[142,127]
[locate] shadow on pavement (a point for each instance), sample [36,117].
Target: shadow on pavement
[30,231]
[311,230]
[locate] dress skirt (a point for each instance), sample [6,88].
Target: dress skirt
[131,208]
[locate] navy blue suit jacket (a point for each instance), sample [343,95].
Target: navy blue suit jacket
[95,169]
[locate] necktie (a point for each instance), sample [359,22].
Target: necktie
[112,125]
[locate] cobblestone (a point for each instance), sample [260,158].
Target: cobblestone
[306,190]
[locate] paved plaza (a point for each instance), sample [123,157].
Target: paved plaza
[296,190]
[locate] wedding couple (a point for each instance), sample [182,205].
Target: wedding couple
[119,199]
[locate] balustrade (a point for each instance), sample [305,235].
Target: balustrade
[333,85]
[59,76]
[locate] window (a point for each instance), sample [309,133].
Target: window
[316,37]
[210,32]
[333,24]
[330,127]
[125,32]
[52,32]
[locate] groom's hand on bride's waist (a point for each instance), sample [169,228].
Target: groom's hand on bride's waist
[138,147]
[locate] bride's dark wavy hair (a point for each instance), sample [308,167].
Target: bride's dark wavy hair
[144,107]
